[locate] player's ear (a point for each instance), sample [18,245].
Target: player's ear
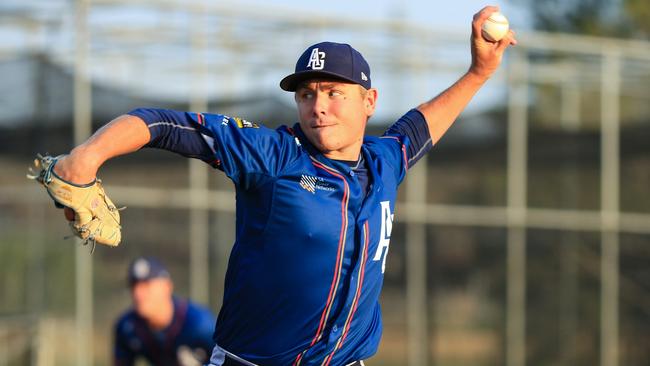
[370,101]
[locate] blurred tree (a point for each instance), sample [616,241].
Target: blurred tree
[621,18]
[639,13]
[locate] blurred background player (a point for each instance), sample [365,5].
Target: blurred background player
[160,327]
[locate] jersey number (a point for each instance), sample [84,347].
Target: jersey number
[384,236]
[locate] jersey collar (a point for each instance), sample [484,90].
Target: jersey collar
[314,152]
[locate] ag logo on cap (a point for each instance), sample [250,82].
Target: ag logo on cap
[316,60]
[141,269]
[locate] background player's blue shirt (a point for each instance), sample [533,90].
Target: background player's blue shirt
[189,333]
[306,269]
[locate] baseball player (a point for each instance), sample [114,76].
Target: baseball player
[161,328]
[315,202]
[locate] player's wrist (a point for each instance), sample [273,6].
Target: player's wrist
[79,167]
[477,75]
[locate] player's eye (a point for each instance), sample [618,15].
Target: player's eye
[335,93]
[306,95]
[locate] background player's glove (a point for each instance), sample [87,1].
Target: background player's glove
[96,217]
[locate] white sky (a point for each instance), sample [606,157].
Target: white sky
[455,14]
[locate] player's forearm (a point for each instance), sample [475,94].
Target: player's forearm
[442,111]
[121,136]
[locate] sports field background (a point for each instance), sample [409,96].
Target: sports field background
[522,239]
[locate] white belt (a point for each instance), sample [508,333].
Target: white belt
[219,357]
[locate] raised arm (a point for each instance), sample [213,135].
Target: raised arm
[441,112]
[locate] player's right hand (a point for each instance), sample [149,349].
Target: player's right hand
[487,56]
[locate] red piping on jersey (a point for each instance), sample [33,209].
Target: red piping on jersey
[339,257]
[406,160]
[355,303]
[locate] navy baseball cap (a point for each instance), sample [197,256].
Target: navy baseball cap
[329,60]
[146,268]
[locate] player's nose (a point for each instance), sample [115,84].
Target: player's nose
[319,107]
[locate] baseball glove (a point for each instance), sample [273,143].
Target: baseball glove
[96,220]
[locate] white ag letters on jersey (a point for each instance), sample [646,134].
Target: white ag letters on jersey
[316,60]
[384,235]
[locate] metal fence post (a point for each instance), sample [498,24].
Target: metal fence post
[610,188]
[516,212]
[82,129]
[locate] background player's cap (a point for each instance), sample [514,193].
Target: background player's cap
[146,268]
[330,60]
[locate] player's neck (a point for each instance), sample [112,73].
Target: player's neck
[350,153]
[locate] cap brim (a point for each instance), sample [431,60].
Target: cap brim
[290,83]
[133,280]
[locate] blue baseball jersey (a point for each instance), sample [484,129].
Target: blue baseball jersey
[188,335]
[312,234]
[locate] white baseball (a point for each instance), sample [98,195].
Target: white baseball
[495,27]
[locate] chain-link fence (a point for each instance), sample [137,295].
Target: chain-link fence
[522,239]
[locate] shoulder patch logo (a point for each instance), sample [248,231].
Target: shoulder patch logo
[316,60]
[242,123]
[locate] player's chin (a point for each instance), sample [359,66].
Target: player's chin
[323,131]
[326,143]
[321,138]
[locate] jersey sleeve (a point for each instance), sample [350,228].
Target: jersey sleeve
[240,148]
[414,126]
[173,131]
